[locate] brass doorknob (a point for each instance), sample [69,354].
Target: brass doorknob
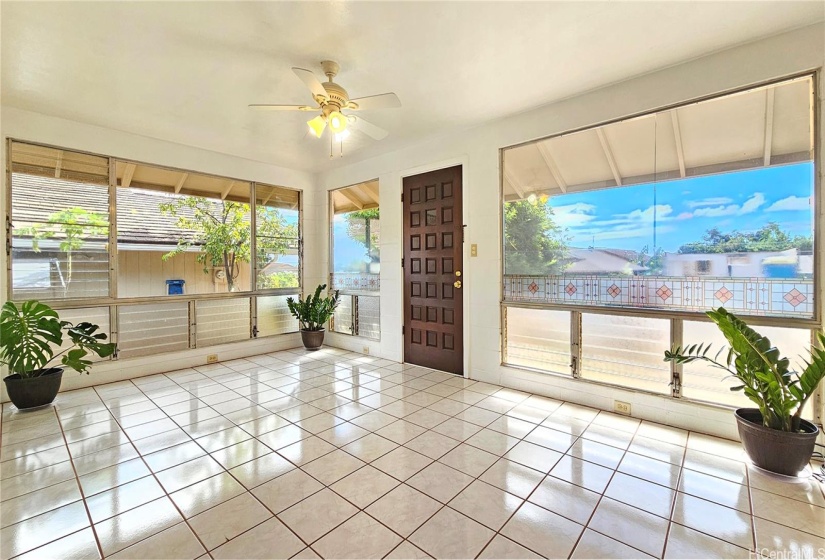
[458,273]
[457,283]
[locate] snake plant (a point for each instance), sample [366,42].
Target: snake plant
[29,335]
[314,312]
[765,376]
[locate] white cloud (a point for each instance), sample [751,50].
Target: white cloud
[574,215]
[638,223]
[753,203]
[714,201]
[791,203]
[749,206]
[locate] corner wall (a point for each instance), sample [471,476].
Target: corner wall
[478,150]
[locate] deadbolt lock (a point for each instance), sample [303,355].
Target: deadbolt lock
[458,273]
[457,283]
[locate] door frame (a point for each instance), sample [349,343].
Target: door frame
[463,161]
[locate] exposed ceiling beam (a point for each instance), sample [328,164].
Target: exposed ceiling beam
[128,173]
[551,164]
[271,192]
[58,166]
[371,191]
[346,194]
[225,192]
[181,181]
[513,182]
[608,153]
[677,135]
[768,125]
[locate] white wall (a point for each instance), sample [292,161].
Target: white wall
[478,150]
[35,127]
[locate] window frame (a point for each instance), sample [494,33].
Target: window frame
[676,317]
[354,294]
[112,301]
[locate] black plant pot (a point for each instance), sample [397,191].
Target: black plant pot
[313,340]
[785,453]
[30,392]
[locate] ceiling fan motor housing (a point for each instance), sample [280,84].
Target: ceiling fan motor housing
[338,97]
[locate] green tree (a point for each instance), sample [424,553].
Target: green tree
[72,227]
[655,263]
[769,237]
[361,228]
[533,242]
[221,231]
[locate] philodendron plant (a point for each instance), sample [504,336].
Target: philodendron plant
[314,311]
[764,375]
[30,334]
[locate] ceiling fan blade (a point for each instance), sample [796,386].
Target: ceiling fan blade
[311,82]
[381,101]
[369,129]
[266,107]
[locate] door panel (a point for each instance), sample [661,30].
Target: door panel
[433,261]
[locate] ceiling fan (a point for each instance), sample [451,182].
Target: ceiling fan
[332,100]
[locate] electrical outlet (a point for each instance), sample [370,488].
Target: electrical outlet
[621,407]
[474,250]
[365,350]
[212,359]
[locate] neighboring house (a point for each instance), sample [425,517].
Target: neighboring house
[603,262]
[757,264]
[145,234]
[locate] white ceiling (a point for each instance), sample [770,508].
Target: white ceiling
[185,71]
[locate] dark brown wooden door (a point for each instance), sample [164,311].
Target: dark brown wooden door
[433,265]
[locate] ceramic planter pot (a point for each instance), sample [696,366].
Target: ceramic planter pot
[780,452]
[31,392]
[313,340]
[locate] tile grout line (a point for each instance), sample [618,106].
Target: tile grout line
[166,494]
[79,486]
[299,380]
[675,497]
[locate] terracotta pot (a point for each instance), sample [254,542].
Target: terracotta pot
[30,392]
[785,453]
[313,340]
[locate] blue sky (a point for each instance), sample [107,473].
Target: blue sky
[348,255]
[623,217]
[684,209]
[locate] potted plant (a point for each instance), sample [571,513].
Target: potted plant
[313,313]
[774,435]
[28,338]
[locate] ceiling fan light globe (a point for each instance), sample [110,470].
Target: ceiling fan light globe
[317,125]
[337,122]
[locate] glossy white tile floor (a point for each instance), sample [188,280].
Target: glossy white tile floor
[337,455]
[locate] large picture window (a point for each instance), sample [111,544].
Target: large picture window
[223,253]
[639,226]
[705,205]
[355,258]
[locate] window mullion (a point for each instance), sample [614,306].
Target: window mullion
[253,239]
[575,343]
[676,370]
[113,254]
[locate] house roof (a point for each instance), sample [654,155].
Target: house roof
[35,198]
